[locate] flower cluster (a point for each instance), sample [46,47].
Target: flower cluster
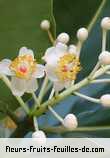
[62,65]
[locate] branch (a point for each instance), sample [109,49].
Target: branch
[61,96]
[61,129]
[94,100]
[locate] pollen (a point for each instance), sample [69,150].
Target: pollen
[68,67]
[23,66]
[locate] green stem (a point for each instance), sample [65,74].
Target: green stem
[23,104]
[61,96]
[101,71]
[61,129]
[79,46]
[108,72]
[57,116]
[87,98]
[101,81]
[51,37]
[48,87]
[35,123]
[94,70]
[19,99]
[36,100]
[42,91]
[95,17]
[52,93]
[104,38]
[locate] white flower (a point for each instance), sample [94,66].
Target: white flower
[62,65]
[23,71]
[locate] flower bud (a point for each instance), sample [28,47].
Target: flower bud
[82,34]
[70,121]
[105,23]
[63,38]
[104,58]
[45,25]
[72,49]
[105,100]
[39,137]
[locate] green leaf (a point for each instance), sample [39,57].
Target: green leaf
[71,15]
[20,26]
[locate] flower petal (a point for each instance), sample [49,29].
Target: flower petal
[40,71]
[50,72]
[53,54]
[4,67]
[72,49]
[61,49]
[25,51]
[31,85]
[68,84]
[50,56]
[48,52]
[58,86]
[18,86]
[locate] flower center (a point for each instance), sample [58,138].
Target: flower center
[23,69]
[23,66]
[68,67]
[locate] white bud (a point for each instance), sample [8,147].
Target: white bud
[39,137]
[45,25]
[63,38]
[82,34]
[72,49]
[70,121]
[105,100]
[104,58]
[105,23]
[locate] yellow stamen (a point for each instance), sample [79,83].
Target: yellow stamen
[23,66]
[68,67]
